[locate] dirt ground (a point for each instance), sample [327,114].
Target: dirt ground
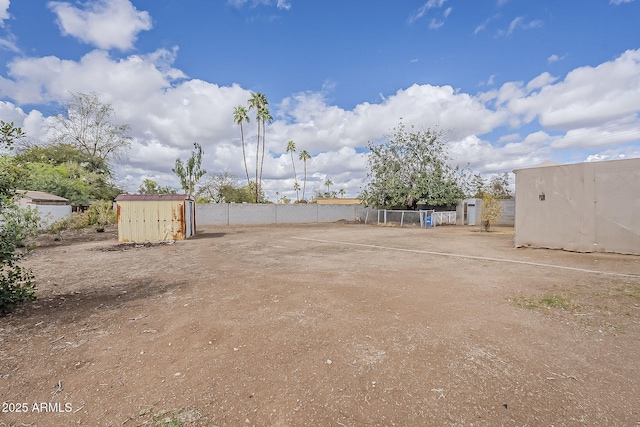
[323,325]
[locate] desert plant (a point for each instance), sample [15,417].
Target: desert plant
[491,210]
[59,226]
[101,214]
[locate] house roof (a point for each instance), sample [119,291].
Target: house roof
[41,196]
[152,197]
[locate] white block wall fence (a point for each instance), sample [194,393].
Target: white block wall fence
[240,214]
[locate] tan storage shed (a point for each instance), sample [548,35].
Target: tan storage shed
[584,207]
[155,217]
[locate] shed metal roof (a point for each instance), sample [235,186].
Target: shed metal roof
[152,197]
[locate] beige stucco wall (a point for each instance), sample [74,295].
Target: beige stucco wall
[585,207]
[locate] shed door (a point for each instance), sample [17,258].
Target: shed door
[471,214]
[189,219]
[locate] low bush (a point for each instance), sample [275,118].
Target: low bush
[16,286]
[99,214]
[17,227]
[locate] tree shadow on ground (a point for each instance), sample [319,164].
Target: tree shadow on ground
[74,306]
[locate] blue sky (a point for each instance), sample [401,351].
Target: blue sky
[511,82]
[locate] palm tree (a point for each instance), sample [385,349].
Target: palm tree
[328,183]
[258,101]
[291,148]
[265,115]
[341,192]
[240,115]
[296,186]
[304,156]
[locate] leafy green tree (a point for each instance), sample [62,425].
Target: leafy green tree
[149,186]
[88,125]
[63,153]
[412,166]
[241,115]
[244,194]
[16,283]
[68,180]
[304,156]
[190,171]
[66,172]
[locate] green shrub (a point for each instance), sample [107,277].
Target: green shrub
[101,214]
[21,224]
[16,286]
[16,283]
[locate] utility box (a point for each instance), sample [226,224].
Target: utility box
[155,217]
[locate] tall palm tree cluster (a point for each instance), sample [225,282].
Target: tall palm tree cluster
[258,102]
[304,156]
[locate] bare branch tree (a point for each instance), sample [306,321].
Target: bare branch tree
[89,126]
[214,184]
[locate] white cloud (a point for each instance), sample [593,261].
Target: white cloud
[280,4]
[490,81]
[106,24]
[544,79]
[46,79]
[434,24]
[422,10]
[283,4]
[4,11]
[11,113]
[591,107]
[424,106]
[555,58]
[588,96]
[519,23]
[614,154]
[8,41]
[617,2]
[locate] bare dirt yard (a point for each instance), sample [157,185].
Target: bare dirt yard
[323,325]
